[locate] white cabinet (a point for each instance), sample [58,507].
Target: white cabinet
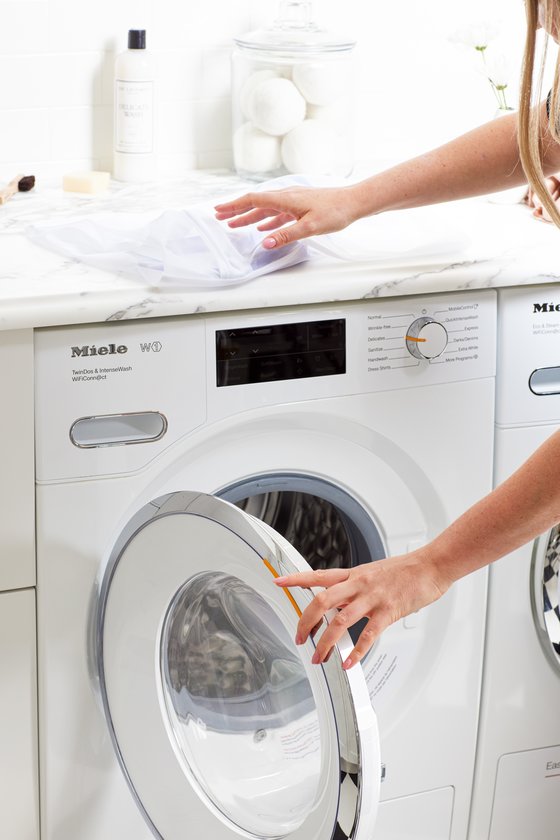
[17,491]
[18,660]
[18,717]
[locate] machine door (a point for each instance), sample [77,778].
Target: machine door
[546,593]
[221,725]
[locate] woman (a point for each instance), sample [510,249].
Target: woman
[501,154]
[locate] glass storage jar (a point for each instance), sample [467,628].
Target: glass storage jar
[292,98]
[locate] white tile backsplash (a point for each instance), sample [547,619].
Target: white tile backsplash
[72,131]
[212,123]
[176,132]
[24,83]
[92,25]
[73,78]
[22,27]
[413,88]
[180,75]
[171,165]
[215,81]
[24,135]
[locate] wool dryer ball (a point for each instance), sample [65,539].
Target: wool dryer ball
[320,82]
[248,87]
[255,151]
[276,106]
[309,148]
[336,115]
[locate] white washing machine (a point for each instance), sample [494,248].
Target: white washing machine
[173,701]
[517,792]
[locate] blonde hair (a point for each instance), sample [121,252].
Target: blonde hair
[530,122]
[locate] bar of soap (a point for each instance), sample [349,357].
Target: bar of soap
[86,182]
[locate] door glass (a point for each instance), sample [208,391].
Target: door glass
[240,705]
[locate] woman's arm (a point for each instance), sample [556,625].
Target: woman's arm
[384,591]
[482,161]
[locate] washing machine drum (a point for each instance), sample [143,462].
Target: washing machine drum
[219,722]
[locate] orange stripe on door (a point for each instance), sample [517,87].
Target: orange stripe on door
[287,592]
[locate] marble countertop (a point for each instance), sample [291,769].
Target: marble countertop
[479,243]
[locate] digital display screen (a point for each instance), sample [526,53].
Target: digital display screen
[282,351]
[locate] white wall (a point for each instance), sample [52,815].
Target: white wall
[414,90]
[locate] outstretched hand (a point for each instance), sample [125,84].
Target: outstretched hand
[382,591]
[292,213]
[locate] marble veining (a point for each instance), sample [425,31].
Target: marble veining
[503,246]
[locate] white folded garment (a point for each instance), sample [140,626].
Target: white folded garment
[191,248]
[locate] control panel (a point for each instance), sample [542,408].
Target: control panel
[528,385]
[456,333]
[329,350]
[111,397]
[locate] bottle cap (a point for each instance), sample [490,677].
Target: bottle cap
[136,39]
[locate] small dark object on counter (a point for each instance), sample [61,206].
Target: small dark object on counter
[21,183]
[26,183]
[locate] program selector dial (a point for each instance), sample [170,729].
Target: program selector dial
[426,338]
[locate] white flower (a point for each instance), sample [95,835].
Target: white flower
[497,70]
[477,35]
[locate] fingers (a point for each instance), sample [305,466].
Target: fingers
[251,218]
[290,233]
[279,220]
[338,626]
[276,201]
[338,593]
[312,617]
[234,208]
[321,577]
[366,640]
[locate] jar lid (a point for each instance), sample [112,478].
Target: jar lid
[294,30]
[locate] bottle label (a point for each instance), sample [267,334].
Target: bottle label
[134,117]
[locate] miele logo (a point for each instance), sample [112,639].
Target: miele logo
[92,350]
[546,307]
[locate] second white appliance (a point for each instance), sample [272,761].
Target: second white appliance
[517,793]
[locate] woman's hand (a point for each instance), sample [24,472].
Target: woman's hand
[303,211]
[533,200]
[382,591]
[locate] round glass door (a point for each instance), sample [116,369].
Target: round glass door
[240,705]
[219,721]
[545,593]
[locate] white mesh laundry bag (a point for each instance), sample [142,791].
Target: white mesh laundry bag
[187,246]
[190,248]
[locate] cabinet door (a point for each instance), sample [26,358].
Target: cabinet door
[17,490]
[18,717]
